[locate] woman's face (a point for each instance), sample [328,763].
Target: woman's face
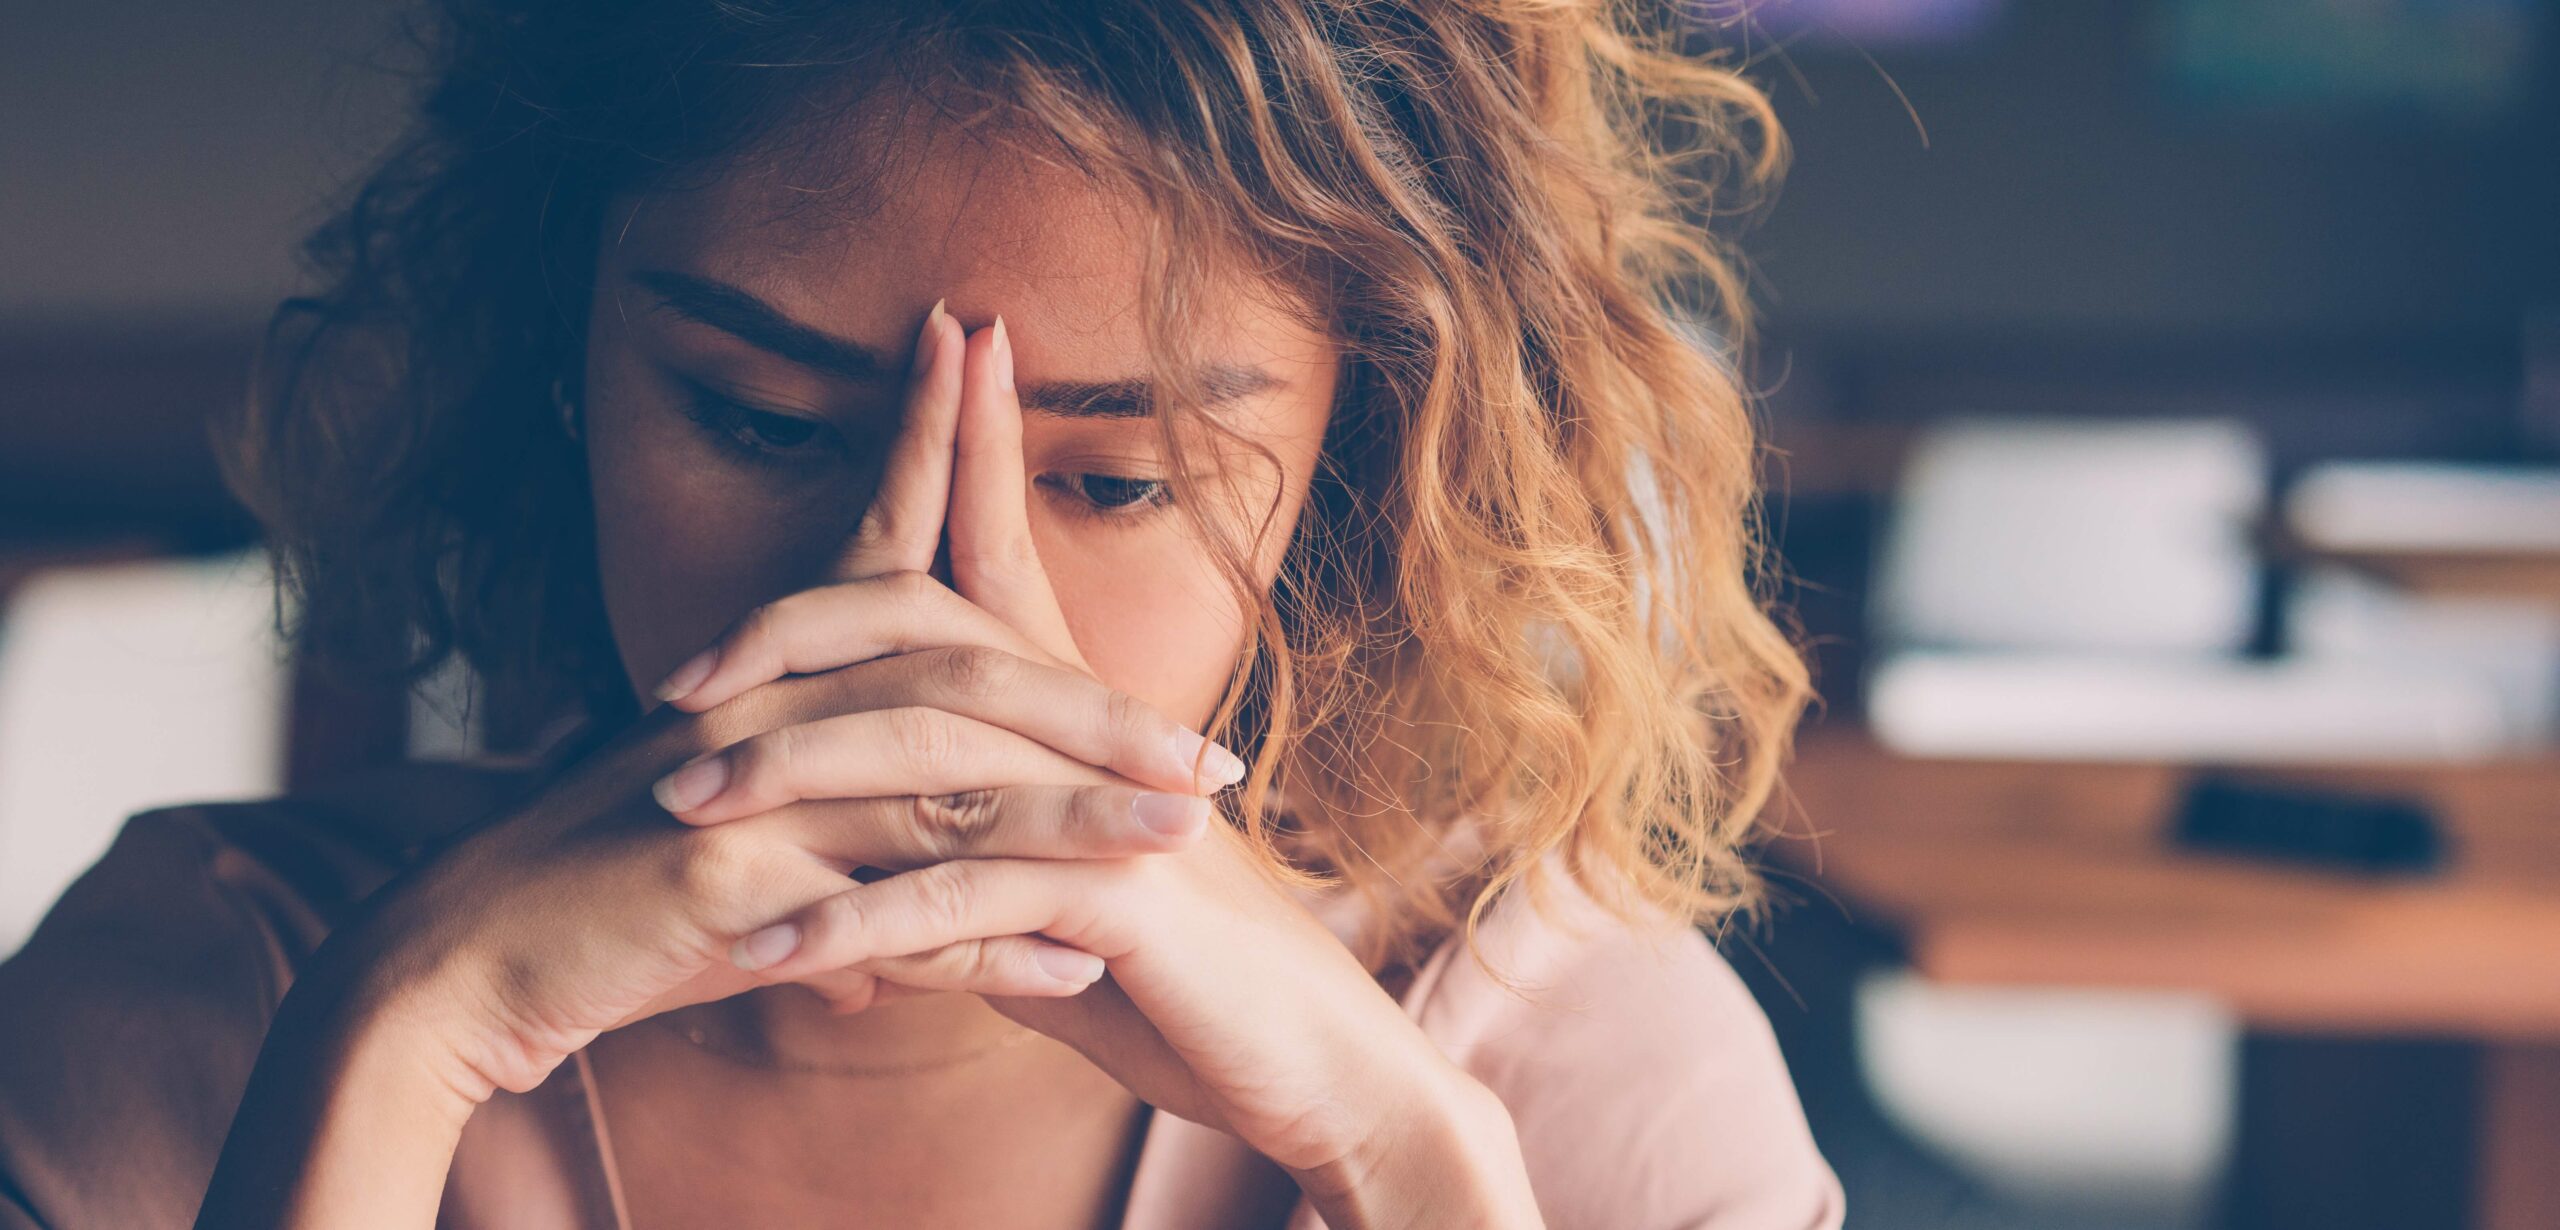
[746,369]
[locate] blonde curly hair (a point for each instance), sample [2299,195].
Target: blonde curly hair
[1528,587]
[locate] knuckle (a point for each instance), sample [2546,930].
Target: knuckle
[1127,717]
[914,590]
[760,761]
[944,894]
[952,825]
[715,864]
[986,961]
[837,923]
[976,672]
[926,739]
[877,529]
[1095,811]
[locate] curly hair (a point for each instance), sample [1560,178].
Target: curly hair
[1529,585]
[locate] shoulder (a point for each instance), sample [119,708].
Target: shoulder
[1644,1079]
[288,865]
[128,1025]
[130,1019]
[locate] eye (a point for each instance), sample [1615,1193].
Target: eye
[781,431]
[749,433]
[1117,491]
[1113,496]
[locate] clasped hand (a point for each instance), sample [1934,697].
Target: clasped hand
[1048,842]
[1052,844]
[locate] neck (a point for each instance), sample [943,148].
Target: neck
[791,1029]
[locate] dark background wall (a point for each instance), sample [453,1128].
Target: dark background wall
[159,158]
[2076,235]
[2070,189]
[2081,233]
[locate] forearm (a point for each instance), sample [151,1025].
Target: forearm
[1445,1155]
[351,1117]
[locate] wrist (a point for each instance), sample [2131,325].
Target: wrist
[1443,1152]
[403,996]
[350,1116]
[387,1017]
[384,1061]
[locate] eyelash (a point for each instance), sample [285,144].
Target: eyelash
[1081,504]
[721,419]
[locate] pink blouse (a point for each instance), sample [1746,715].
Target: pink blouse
[1647,1090]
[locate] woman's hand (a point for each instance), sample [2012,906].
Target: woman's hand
[1227,1002]
[588,907]
[934,731]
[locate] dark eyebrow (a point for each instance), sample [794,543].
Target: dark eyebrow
[1136,399]
[755,322]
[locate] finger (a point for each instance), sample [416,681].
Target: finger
[850,990]
[1065,709]
[999,965]
[1044,821]
[903,751]
[832,626]
[1014,966]
[994,562]
[885,991]
[902,528]
[946,903]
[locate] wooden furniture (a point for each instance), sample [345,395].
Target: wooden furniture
[2531,576]
[2061,874]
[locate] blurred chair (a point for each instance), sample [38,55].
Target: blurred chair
[2094,591]
[2097,537]
[127,685]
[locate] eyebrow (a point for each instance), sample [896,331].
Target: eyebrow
[757,323]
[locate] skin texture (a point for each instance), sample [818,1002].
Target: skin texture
[928,655]
[692,534]
[689,537]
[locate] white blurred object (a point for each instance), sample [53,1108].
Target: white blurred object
[2509,645]
[2376,506]
[2059,1096]
[2178,708]
[2069,535]
[125,687]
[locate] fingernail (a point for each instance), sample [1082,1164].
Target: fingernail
[929,339]
[1068,965]
[1174,815]
[1220,765]
[693,785]
[1004,357]
[681,682]
[765,947]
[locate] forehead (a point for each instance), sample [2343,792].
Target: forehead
[859,233]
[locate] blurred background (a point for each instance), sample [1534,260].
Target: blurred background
[2168,403]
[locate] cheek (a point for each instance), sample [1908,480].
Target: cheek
[1150,608]
[683,547]
[1160,623]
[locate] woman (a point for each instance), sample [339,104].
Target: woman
[1151,606]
